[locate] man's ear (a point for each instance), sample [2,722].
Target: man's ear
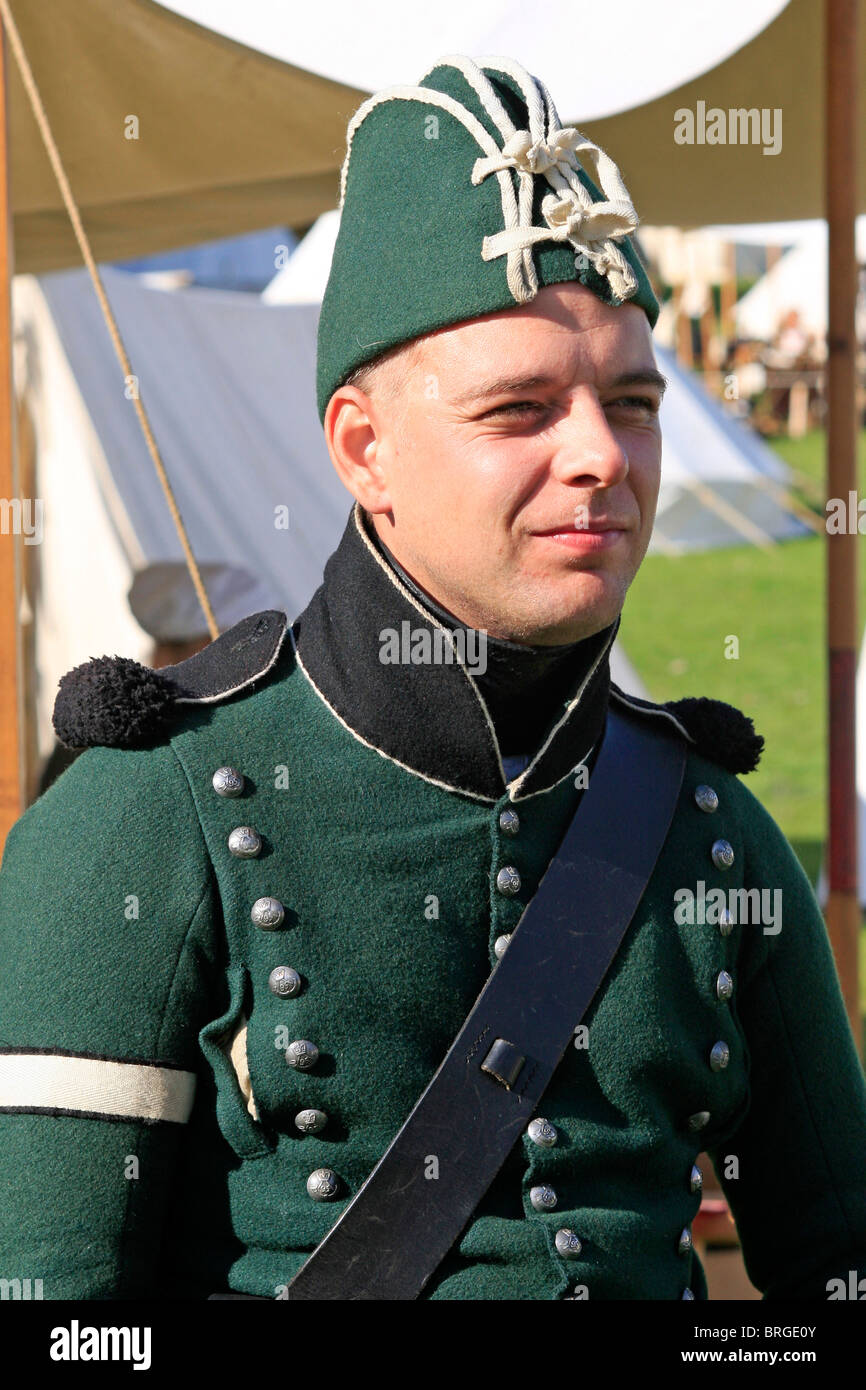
[356,433]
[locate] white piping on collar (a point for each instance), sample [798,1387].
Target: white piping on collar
[513,787]
[630,703]
[434,781]
[430,617]
[541,790]
[566,715]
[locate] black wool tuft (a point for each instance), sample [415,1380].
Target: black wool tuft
[721,732]
[111,701]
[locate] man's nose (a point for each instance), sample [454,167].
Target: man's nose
[587,450]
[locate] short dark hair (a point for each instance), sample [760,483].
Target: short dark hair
[370,378]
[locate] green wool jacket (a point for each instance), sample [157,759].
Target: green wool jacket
[148,1143]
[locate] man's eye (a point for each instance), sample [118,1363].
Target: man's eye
[647,403]
[638,402]
[517,407]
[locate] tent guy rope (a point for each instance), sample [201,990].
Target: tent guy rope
[111,323]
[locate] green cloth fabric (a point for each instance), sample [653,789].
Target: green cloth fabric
[408,260]
[388,881]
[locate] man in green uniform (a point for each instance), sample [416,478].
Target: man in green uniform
[240,933]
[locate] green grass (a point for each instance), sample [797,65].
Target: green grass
[678,619]
[681,612]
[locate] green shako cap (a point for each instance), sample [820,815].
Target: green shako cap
[463,196]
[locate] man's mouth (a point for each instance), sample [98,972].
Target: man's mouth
[595,535]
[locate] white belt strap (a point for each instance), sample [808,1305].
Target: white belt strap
[105,1088]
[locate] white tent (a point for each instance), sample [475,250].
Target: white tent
[797,281]
[229,385]
[721,484]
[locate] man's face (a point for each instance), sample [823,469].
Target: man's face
[511,441]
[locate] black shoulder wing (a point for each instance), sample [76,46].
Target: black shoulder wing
[115,702]
[719,731]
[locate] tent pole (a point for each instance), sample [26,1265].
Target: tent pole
[11,722]
[842,911]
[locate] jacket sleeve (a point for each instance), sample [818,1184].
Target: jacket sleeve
[797,1188]
[108,948]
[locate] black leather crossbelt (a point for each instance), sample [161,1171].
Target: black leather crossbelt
[402,1222]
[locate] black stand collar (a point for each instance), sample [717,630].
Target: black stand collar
[426,714]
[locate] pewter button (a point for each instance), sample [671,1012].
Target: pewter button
[227,781]
[684,1244]
[568,1243]
[267,913]
[543,1198]
[508,881]
[542,1132]
[687,1293]
[323,1184]
[509,822]
[720,1056]
[707,798]
[285,982]
[724,985]
[696,1181]
[699,1120]
[500,945]
[302,1054]
[723,854]
[311,1121]
[726,921]
[245,842]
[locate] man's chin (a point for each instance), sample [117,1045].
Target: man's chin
[592,604]
[543,610]
[555,629]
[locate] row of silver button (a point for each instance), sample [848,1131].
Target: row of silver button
[268,914]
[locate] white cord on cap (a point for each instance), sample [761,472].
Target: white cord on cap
[547,149]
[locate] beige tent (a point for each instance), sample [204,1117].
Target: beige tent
[229,140]
[690,185]
[170,134]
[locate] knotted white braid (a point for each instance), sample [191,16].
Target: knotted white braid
[547,148]
[592,228]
